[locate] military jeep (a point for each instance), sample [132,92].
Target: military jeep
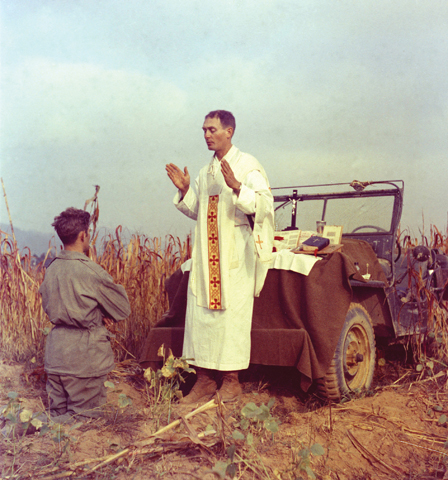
[325,320]
[386,310]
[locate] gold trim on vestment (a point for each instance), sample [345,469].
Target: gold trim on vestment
[214,268]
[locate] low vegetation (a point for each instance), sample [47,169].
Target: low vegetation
[437,346]
[141,265]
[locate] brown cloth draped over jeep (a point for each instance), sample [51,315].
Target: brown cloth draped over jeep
[297,319]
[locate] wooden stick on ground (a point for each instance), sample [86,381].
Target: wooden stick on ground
[207,406]
[203,408]
[81,463]
[109,460]
[370,456]
[105,460]
[437,375]
[424,448]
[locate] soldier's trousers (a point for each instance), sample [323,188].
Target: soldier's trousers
[72,397]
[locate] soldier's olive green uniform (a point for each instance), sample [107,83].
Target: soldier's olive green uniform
[76,295]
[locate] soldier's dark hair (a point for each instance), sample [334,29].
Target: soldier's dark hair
[69,223]
[227,119]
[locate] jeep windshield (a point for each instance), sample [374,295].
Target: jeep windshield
[367,208]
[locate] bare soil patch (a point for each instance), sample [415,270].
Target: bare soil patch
[396,432]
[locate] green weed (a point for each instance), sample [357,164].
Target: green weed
[165,383]
[302,459]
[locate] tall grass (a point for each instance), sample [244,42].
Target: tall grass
[141,265]
[428,299]
[22,320]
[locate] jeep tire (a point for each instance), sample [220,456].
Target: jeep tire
[353,364]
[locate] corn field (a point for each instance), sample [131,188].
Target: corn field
[141,265]
[427,299]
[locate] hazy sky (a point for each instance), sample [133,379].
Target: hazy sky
[107,92]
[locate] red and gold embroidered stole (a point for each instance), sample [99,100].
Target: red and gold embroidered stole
[214,268]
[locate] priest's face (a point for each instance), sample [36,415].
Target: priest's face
[216,136]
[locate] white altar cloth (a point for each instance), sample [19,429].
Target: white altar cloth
[282,260]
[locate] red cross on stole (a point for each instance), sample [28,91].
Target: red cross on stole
[214,267]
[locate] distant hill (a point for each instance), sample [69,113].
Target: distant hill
[37,242]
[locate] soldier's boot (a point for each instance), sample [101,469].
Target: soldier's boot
[231,389]
[204,388]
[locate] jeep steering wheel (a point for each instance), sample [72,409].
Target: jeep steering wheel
[378,229]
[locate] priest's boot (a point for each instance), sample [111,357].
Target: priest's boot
[230,390]
[204,388]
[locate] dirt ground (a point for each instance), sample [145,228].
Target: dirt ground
[397,431]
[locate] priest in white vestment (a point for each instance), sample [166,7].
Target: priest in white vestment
[233,206]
